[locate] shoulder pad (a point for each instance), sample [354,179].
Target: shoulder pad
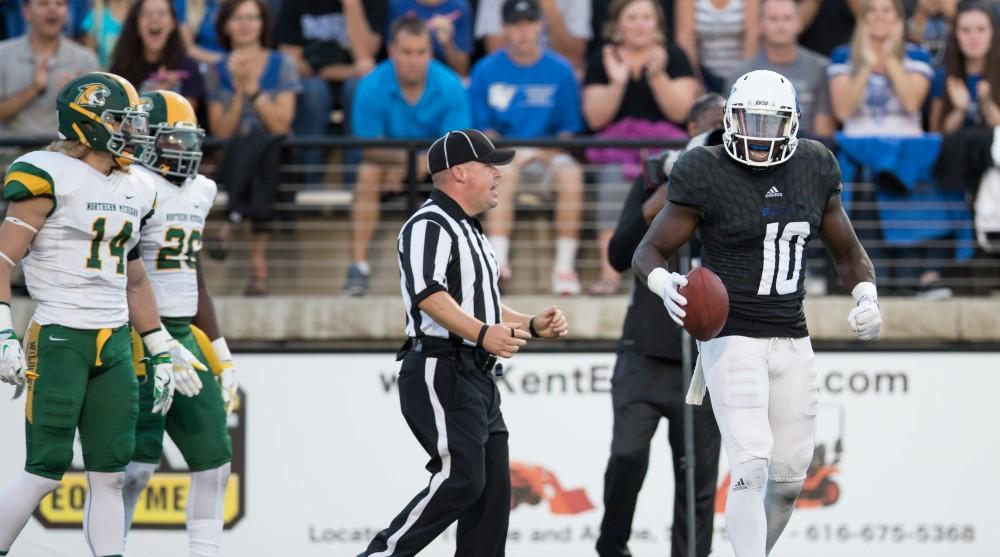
[32,175]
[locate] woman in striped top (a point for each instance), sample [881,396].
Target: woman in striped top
[717,35]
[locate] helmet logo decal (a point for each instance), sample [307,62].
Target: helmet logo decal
[93,94]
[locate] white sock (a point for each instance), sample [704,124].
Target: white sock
[566,254]
[205,504]
[137,475]
[363,267]
[745,519]
[501,247]
[779,502]
[104,514]
[18,501]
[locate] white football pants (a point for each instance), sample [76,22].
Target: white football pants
[764,395]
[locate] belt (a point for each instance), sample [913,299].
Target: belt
[471,356]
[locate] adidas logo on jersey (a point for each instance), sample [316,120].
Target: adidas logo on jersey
[741,485]
[773,192]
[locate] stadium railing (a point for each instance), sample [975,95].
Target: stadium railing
[310,247]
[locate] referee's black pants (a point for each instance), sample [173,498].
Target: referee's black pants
[453,409]
[644,390]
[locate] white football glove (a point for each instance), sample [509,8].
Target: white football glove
[227,379]
[161,368]
[664,284]
[12,366]
[866,317]
[186,368]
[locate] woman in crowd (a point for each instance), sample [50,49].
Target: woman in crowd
[102,25]
[197,23]
[963,95]
[251,101]
[879,83]
[717,35]
[150,52]
[640,85]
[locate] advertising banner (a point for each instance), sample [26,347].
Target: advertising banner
[323,460]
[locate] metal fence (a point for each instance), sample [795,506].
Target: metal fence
[309,248]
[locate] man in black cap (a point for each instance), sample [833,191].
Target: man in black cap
[457,327]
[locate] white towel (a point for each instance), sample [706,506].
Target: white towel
[696,392]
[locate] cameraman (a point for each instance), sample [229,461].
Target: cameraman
[647,384]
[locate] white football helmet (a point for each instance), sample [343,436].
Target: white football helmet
[761,119]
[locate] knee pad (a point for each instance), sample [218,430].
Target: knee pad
[112,481]
[137,477]
[785,492]
[52,461]
[789,464]
[748,476]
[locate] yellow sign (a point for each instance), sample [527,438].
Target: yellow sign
[162,504]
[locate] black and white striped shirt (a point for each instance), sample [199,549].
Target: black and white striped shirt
[440,248]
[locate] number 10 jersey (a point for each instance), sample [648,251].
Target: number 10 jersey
[171,240]
[756,223]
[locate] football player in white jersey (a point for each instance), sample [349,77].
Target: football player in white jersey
[171,240]
[79,210]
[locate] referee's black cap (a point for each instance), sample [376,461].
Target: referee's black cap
[462,146]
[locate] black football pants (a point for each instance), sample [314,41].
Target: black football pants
[454,411]
[644,390]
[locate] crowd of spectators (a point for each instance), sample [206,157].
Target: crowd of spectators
[258,70]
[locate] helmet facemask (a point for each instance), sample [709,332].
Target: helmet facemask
[178,151]
[129,136]
[761,137]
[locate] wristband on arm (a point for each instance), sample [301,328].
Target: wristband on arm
[864,290]
[532,330]
[482,335]
[222,350]
[156,341]
[6,318]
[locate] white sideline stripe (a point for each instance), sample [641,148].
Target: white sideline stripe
[443,453]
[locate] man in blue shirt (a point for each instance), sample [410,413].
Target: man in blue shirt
[408,95]
[450,24]
[525,91]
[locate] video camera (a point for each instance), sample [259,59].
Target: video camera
[658,167]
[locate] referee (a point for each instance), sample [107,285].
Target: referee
[457,327]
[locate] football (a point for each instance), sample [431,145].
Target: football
[708,304]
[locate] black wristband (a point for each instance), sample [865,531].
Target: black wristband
[532,330]
[482,335]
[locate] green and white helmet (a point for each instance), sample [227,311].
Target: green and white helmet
[103,111]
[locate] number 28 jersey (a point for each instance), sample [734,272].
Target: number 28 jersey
[172,238]
[755,226]
[75,267]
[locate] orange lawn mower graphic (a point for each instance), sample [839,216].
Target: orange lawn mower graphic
[530,485]
[820,488]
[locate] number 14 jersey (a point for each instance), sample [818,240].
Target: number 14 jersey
[172,238]
[755,227]
[75,267]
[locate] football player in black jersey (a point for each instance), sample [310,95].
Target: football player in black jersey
[756,200]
